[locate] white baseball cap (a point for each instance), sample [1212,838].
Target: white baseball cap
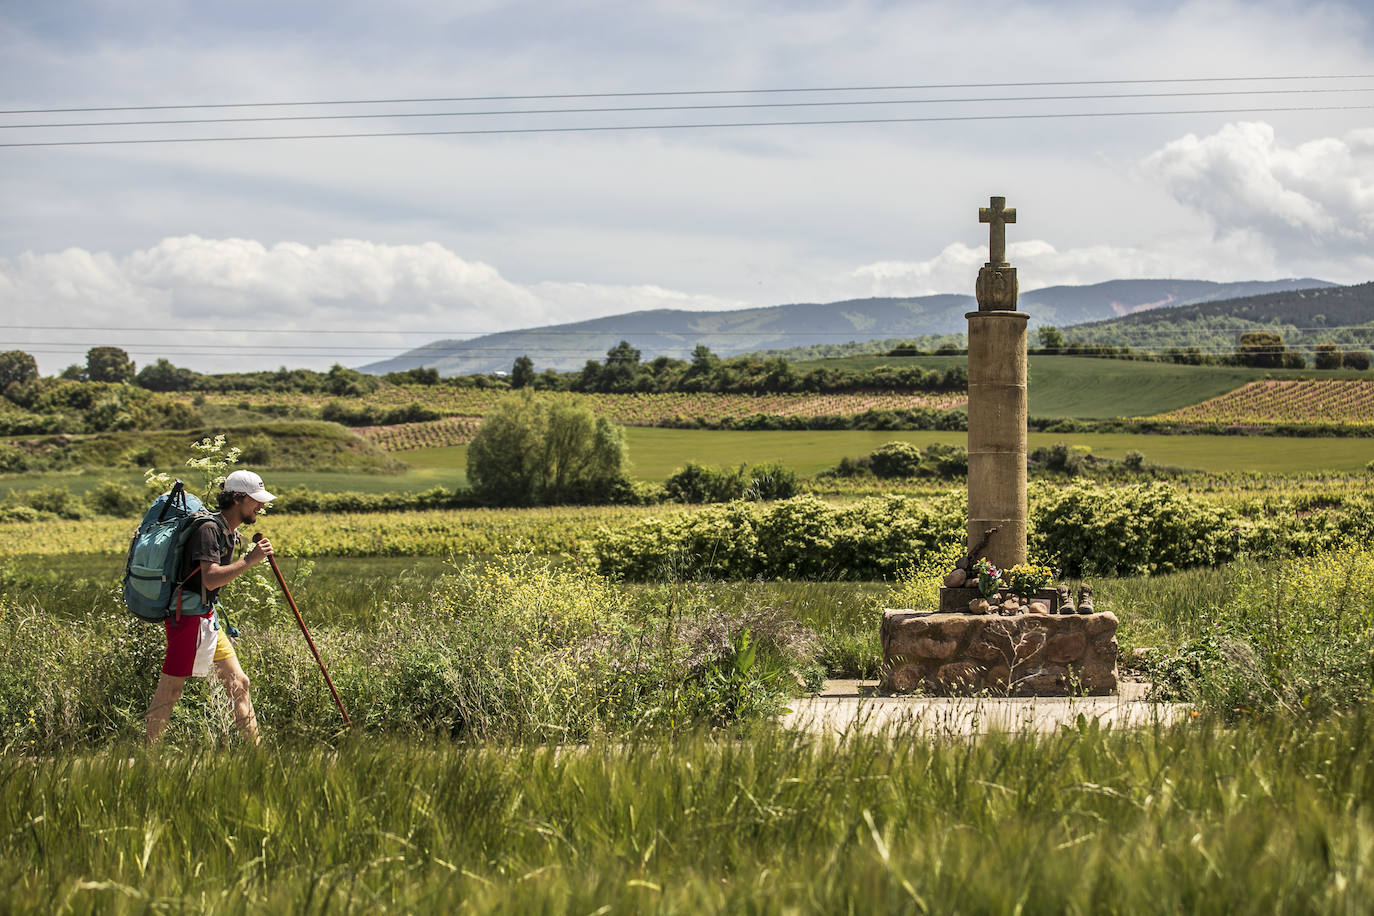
[249,483]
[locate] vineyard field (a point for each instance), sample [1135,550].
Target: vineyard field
[433,434]
[1348,402]
[466,405]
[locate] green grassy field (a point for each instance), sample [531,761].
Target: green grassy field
[656,453]
[1072,386]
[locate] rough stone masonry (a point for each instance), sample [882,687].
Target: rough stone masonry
[1022,654]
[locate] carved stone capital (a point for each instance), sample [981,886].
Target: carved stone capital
[997,289]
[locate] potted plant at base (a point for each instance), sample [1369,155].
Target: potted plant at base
[1026,580]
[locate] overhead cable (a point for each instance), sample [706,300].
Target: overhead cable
[697,126]
[846,103]
[692,92]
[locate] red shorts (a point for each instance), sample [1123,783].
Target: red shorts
[182,643]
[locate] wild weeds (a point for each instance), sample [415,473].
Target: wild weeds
[1293,637]
[519,649]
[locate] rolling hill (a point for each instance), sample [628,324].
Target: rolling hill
[675,332]
[1304,317]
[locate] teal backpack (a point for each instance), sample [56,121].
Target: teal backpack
[152,589]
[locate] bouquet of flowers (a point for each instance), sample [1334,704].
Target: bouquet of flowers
[1026,579]
[989,577]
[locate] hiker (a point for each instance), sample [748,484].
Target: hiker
[195,644]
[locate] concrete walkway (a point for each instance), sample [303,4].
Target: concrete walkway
[845,705]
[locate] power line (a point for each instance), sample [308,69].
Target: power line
[699,126]
[688,92]
[847,103]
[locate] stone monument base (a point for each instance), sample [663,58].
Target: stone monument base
[1020,655]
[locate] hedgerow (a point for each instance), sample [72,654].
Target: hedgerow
[799,538]
[1084,529]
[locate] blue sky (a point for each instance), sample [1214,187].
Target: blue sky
[394,240]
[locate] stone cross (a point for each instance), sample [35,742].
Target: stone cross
[997,216]
[997,403]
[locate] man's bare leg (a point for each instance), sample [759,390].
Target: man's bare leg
[236,685]
[160,709]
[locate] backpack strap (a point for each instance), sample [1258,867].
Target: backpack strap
[225,537]
[176,495]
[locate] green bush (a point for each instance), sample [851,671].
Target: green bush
[1060,458]
[117,500]
[256,450]
[1139,529]
[12,459]
[945,460]
[700,483]
[799,538]
[771,481]
[895,459]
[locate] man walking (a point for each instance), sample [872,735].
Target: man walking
[195,644]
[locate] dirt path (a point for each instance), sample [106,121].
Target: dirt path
[844,705]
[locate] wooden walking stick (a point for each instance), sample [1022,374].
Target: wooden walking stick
[257,536]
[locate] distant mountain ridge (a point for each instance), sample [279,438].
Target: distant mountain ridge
[674,332]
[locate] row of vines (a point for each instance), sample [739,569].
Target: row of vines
[1347,402]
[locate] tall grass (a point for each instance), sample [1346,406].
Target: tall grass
[1198,818]
[518,649]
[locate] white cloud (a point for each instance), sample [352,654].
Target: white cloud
[289,290]
[1312,196]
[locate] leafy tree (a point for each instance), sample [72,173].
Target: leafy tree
[546,449]
[622,354]
[73,373]
[1355,359]
[108,364]
[349,382]
[1051,338]
[1266,350]
[163,376]
[703,360]
[1328,356]
[522,372]
[421,375]
[16,366]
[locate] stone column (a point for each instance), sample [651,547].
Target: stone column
[997,403]
[997,434]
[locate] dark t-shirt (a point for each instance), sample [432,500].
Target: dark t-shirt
[208,542]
